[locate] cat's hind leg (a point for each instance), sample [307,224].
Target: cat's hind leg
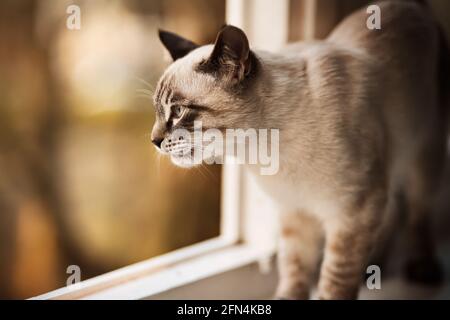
[350,241]
[299,254]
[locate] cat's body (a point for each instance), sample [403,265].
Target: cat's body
[369,130]
[362,135]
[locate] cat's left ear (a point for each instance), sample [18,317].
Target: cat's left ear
[230,58]
[177,46]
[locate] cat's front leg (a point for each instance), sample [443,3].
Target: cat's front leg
[349,244]
[300,250]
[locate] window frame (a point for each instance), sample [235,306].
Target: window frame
[248,218]
[158,269]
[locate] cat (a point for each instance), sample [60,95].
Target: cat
[362,120]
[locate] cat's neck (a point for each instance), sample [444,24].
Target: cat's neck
[282,87]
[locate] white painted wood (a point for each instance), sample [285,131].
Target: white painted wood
[151,266]
[264,21]
[186,273]
[142,285]
[231,201]
[243,283]
[310,7]
[266,25]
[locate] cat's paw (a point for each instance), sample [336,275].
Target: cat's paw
[424,271]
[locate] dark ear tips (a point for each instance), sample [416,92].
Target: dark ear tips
[177,46]
[161,35]
[231,53]
[233,41]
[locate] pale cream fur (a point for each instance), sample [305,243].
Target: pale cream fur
[362,133]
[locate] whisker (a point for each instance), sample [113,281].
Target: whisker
[201,173]
[146,83]
[211,175]
[142,96]
[144,91]
[157,158]
[147,135]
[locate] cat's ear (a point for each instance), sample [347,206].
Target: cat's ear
[231,54]
[177,46]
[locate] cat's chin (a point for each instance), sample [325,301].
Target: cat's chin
[189,162]
[183,162]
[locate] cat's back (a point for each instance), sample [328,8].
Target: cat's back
[408,32]
[403,58]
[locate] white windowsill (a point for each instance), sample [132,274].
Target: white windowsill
[161,274]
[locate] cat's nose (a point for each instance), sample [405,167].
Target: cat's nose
[157,142]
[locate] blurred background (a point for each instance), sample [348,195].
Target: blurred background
[80,183]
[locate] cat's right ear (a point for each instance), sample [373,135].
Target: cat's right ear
[177,46]
[231,56]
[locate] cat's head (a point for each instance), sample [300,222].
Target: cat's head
[210,84]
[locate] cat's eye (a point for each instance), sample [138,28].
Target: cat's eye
[177,111]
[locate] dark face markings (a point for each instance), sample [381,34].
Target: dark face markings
[168,99]
[183,112]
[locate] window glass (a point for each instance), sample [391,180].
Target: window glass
[81,184]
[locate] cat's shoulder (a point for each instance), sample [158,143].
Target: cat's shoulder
[324,57]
